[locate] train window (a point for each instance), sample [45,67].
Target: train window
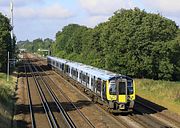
[76,73]
[80,75]
[92,82]
[73,72]
[104,89]
[57,64]
[112,87]
[62,66]
[129,83]
[99,82]
[88,79]
[129,88]
[84,77]
[68,69]
[122,88]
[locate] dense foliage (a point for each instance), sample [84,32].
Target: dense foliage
[5,41]
[35,44]
[132,42]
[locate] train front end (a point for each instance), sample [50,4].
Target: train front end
[121,94]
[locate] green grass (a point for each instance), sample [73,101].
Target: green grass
[164,93]
[6,101]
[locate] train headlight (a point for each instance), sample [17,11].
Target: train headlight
[121,106]
[130,97]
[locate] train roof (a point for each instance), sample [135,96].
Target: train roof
[99,73]
[58,59]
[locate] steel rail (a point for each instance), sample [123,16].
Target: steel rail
[156,111]
[54,97]
[67,98]
[41,97]
[30,100]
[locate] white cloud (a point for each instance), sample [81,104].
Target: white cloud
[49,12]
[92,21]
[27,2]
[17,3]
[104,7]
[167,6]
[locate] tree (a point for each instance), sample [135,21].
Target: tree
[132,42]
[36,44]
[5,41]
[138,41]
[70,39]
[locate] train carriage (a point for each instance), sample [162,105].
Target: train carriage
[115,90]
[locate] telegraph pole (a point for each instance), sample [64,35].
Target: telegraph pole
[8,68]
[12,31]
[12,39]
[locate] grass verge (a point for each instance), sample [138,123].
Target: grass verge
[164,93]
[6,100]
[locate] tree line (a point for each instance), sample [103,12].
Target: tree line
[5,42]
[33,46]
[132,42]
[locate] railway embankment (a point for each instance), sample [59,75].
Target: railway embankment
[164,93]
[7,91]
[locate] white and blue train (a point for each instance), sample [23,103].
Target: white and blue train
[115,90]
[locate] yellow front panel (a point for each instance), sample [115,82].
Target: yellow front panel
[109,97]
[122,99]
[133,96]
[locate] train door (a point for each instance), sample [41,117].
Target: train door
[62,67]
[99,86]
[93,83]
[104,89]
[121,90]
[66,69]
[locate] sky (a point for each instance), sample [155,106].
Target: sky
[44,18]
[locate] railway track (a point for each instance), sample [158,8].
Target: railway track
[35,101]
[161,116]
[142,119]
[49,114]
[85,122]
[46,82]
[54,118]
[30,99]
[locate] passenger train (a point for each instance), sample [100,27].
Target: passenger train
[115,91]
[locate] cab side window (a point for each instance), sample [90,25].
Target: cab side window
[112,87]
